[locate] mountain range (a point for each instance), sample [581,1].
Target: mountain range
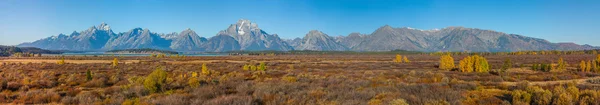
[245,35]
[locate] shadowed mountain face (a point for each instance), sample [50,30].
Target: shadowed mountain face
[245,35]
[221,43]
[187,40]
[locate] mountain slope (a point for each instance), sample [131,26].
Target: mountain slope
[93,38]
[136,39]
[387,38]
[187,40]
[350,41]
[245,35]
[252,38]
[221,43]
[318,41]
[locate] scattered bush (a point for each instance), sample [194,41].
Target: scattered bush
[156,80]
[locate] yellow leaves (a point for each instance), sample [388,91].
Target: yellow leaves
[474,63]
[588,66]
[520,97]
[289,78]
[262,66]
[194,74]
[398,58]
[193,82]
[156,80]
[401,59]
[246,67]
[115,62]
[205,70]
[446,62]
[583,66]
[562,65]
[61,61]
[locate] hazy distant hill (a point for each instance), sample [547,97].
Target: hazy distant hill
[387,38]
[247,36]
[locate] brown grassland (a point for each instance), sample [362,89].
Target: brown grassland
[336,79]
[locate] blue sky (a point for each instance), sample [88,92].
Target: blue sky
[555,20]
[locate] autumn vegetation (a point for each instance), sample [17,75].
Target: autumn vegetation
[447,78]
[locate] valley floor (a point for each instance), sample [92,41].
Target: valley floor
[288,79]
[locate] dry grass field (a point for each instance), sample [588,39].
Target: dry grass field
[343,79]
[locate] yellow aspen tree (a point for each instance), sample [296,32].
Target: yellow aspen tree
[246,67]
[588,67]
[262,66]
[477,64]
[61,61]
[446,62]
[470,62]
[595,66]
[115,62]
[405,60]
[463,65]
[562,65]
[485,65]
[466,64]
[205,70]
[398,58]
[582,66]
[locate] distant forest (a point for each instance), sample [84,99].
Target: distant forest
[9,50]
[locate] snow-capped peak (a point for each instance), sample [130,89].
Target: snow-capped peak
[104,26]
[243,26]
[431,30]
[240,28]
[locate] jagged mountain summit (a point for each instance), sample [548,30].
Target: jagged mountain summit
[94,38]
[187,40]
[137,38]
[387,38]
[319,41]
[247,36]
[243,35]
[252,38]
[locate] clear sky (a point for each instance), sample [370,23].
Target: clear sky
[555,20]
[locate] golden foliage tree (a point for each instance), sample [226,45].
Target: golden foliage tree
[246,67]
[562,65]
[474,63]
[115,62]
[405,60]
[156,80]
[398,58]
[588,67]
[262,66]
[61,61]
[595,66]
[205,70]
[446,62]
[582,66]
